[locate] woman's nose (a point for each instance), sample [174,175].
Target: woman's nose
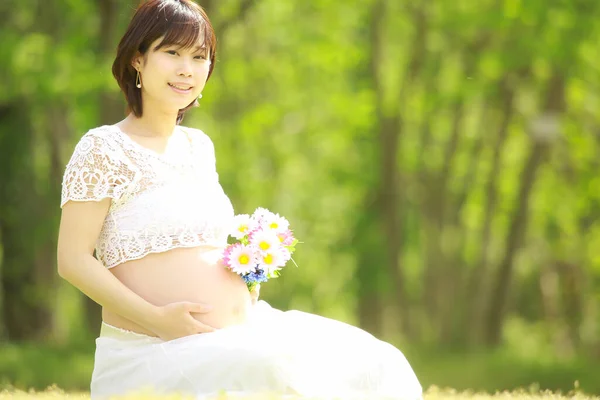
[185,69]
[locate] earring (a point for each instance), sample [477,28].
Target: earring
[138,80]
[199,96]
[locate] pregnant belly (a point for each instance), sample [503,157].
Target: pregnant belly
[188,274]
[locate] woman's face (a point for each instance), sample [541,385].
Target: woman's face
[172,77]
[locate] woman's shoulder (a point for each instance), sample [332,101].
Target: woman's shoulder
[198,138]
[97,142]
[97,168]
[95,137]
[101,132]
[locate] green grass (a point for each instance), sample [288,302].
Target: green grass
[432,393]
[498,371]
[33,366]
[474,376]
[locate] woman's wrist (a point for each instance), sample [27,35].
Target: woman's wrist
[149,316]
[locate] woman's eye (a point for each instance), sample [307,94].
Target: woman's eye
[202,57]
[173,52]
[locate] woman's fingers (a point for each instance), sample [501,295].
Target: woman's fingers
[198,307]
[203,328]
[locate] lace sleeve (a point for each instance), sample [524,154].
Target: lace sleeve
[95,171]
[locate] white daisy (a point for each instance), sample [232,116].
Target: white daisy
[276,223]
[241,260]
[271,261]
[261,214]
[265,240]
[241,226]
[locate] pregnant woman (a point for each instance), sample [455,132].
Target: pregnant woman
[144,194]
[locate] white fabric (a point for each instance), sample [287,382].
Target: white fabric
[160,202]
[108,163]
[287,353]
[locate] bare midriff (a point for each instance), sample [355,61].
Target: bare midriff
[184,274]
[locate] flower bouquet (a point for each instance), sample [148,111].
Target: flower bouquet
[264,246]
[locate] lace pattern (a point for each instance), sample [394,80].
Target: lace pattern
[158,202]
[96,171]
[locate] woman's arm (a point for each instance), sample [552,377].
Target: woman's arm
[80,226]
[94,175]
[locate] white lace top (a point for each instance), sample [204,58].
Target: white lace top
[159,201]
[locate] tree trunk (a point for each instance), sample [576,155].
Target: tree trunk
[393,202]
[448,281]
[543,132]
[516,233]
[477,286]
[424,181]
[111,110]
[448,260]
[26,309]
[462,324]
[371,273]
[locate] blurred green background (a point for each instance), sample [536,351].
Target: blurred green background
[438,159]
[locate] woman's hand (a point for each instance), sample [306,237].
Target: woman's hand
[175,320]
[255,293]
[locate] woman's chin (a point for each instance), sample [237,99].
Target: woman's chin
[177,104]
[183,105]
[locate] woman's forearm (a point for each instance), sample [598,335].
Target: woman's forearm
[89,276]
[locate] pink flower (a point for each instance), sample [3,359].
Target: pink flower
[286,238]
[286,255]
[240,259]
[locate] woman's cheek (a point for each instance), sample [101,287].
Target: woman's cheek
[204,70]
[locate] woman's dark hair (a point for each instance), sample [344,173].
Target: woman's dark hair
[178,22]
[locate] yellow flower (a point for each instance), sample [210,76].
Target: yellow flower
[244,259]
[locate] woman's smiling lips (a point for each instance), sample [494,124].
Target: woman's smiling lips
[182,88]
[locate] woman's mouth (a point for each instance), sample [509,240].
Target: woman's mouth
[181,88]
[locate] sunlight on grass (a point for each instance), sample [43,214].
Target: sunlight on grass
[432,393]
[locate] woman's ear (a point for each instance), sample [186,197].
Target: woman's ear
[136,62]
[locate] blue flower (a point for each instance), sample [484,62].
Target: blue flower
[257,276]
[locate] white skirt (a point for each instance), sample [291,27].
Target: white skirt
[286,353]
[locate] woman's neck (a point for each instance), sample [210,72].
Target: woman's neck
[153,124]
